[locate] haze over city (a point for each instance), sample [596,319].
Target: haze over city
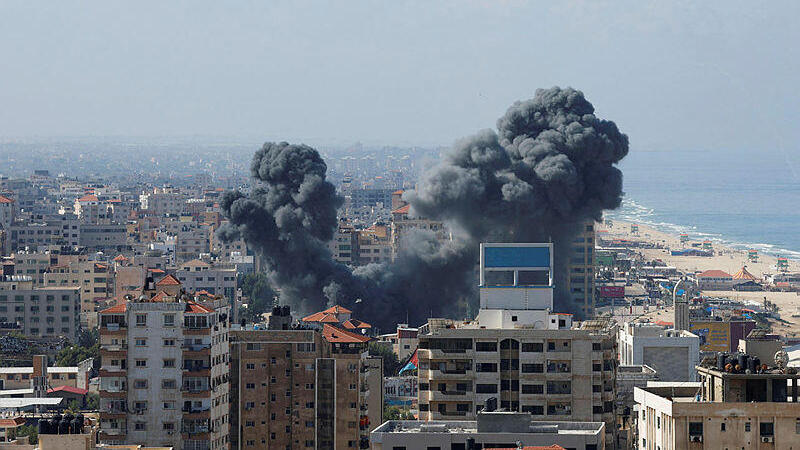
[463,225]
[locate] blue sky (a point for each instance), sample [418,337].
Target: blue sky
[673,75]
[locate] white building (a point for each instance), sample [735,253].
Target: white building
[489,430]
[673,354]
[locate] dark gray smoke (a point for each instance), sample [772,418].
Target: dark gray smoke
[549,168]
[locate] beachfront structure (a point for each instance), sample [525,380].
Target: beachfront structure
[673,354]
[489,430]
[752,255]
[726,409]
[782,265]
[714,280]
[517,350]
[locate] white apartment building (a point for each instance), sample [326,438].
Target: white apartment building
[164,371]
[673,354]
[197,275]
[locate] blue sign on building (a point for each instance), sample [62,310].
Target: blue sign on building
[516,256]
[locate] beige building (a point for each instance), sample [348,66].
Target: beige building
[48,312]
[94,279]
[303,388]
[726,410]
[190,241]
[164,371]
[197,275]
[517,351]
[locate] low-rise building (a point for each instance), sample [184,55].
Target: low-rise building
[489,430]
[673,354]
[736,406]
[714,280]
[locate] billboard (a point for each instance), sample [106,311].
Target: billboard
[612,291]
[714,336]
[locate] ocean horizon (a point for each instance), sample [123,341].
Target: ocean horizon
[743,200]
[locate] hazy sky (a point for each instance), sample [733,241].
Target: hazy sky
[689,75]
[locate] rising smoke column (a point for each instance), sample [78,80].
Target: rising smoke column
[550,167]
[288,219]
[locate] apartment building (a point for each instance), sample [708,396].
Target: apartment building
[40,312]
[94,279]
[374,245]
[197,275]
[744,407]
[162,202]
[7,211]
[673,354]
[43,231]
[107,236]
[164,371]
[517,350]
[190,241]
[580,280]
[303,388]
[33,264]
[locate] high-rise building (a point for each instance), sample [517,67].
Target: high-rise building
[303,388]
[517,350]
[164,370]
[580,279]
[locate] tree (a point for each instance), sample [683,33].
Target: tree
[391,365]
[256,287]
[396,413]
[72,355]
[30,431]
[92,401]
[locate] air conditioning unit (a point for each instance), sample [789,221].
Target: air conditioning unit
[696,438]
[767,438]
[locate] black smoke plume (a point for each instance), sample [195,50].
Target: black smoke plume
[548,169]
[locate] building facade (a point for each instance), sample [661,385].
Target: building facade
[164,371]
[673,354]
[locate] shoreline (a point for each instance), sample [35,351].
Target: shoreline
[725,258]
[640,213]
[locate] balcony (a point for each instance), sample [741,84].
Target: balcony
[195,409]
[195,347]
[195,389]
[453,413]
[114,431]
[114,347]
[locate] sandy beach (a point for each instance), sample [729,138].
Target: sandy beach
[727,259]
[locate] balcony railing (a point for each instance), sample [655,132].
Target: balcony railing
[196,409]
[195,389]
[195,367]
[453,413]
[195,347]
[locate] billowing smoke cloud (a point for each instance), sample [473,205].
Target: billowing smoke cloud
[549,168]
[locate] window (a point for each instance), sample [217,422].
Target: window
[486,346]
[747,427]
[169,342]
[722,426]
[141,363]
[250,366]
[695,428]
[169,320]
[533,389]
[767,429]
[532,368]
[169,405]
[168,384]
[169,363]
[141,320]
[486,389]
[537,410]
[529,347]
[139,426]
[140,384]
[169,426]
[141,342]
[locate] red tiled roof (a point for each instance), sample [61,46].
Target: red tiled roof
[4,199]
[120,257]
[339,336]
[12,423]
[88,198]
[402,210]
[159,297]
[354,324]
[399,191]
[156,270]
[70,389]
[168,280]
[713,274]
[194,308]
[336,309]
[116,309]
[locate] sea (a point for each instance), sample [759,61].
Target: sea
[741,199]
